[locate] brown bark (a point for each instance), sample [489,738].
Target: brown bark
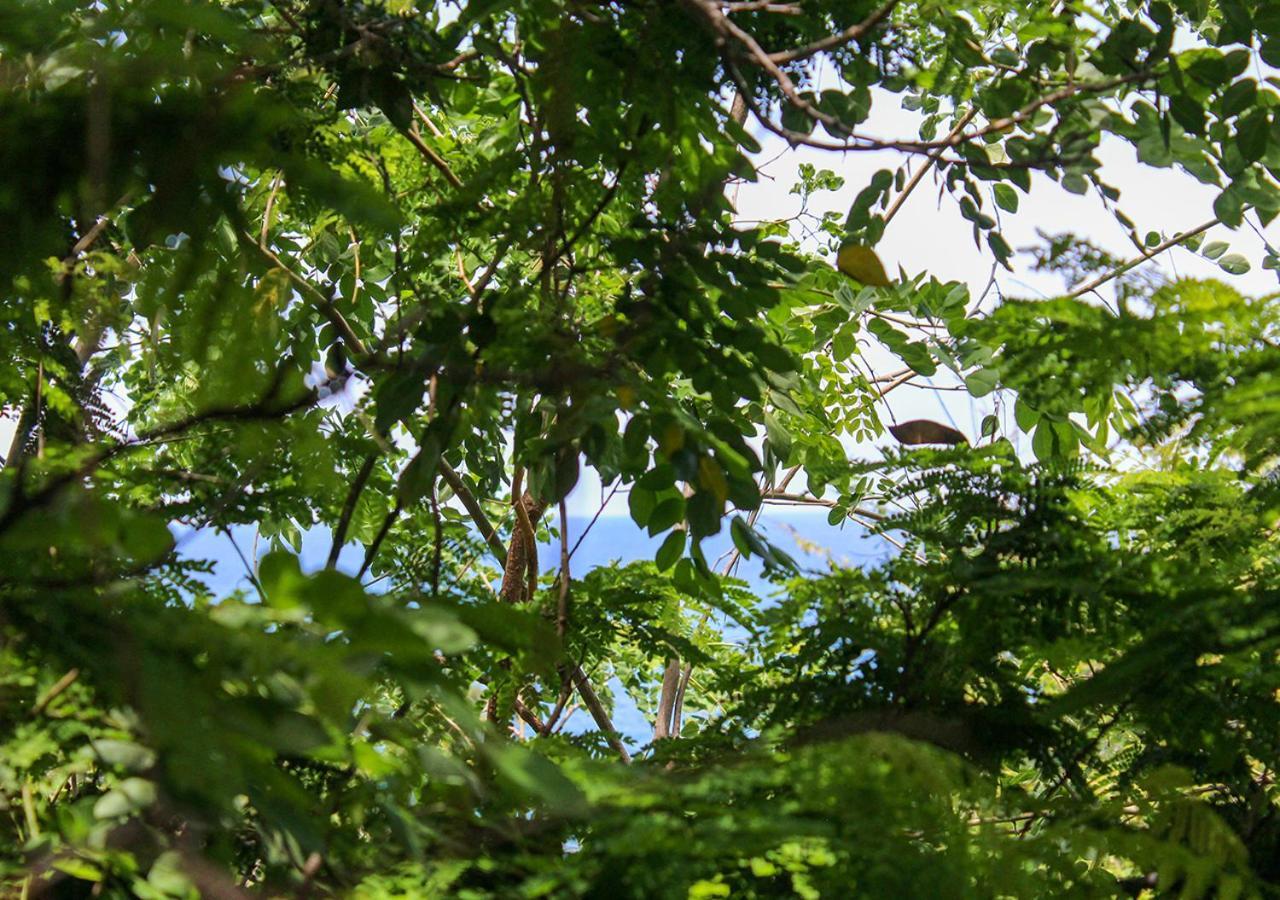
[522,554]
[664,726]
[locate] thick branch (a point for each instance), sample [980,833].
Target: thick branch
[663,726]
[530,716]
[522,555]
[520,573]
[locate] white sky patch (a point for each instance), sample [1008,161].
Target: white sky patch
[929,234]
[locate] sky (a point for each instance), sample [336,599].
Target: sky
[929,234]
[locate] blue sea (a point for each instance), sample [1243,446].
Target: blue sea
[802,533]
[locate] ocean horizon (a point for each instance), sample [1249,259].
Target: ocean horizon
[804,534]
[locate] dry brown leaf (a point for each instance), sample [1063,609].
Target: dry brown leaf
[925,431]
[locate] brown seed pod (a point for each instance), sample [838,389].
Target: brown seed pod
[924,431]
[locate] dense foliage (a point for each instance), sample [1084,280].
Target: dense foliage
[403,272]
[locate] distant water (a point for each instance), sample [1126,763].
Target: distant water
[804,534]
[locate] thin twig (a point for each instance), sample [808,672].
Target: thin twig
[355,280]
[58,687]
[598,712]
[1134,263]
[266,213]
[897,382]
[928,164]
[249,570]
[382,534]
[562,606]
[349,508]
[463,493]
[850,34]
[582,537]
[432,156]
[325,304]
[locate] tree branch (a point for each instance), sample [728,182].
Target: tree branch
[598,712]
[522,556]
[1134,263]
[663,726]
[850,34]
[431,156]
[323,303]
[349,508]
[925,167]
[473,508]
[562,604]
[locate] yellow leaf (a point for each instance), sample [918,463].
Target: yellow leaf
[671,439]
[608,326]
[861,264]
[711,478]
[273,292]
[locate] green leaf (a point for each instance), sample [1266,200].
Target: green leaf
[535,776]
[1075,183]
[1044,442]
[129,796]
[743,137]
[1234,264]
[398,398]
[1067,440]
[1024,415]
[1000,247]
[355,200]
[168,876]
[1214,249]
[704,512]
[748,543]
[665,514]
[670,550]
[1252,133]
[453,631]
[123,754]
[981,382]
[566,473]
[641,502]
[916,355]
[1229,209]
[281,579]
[1005,56]
[82,869]
[779,437]
[1006,198]
[139,790]
[1239,97]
